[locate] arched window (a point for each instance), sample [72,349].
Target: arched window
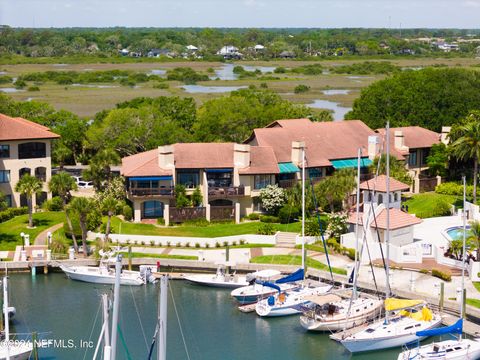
[41,198]
[41,173]
[369,196]
[24,171]
[380,199]
[395,196]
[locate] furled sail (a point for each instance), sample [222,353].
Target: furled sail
[456,328]
[269,284]
[295,276]
[392,304]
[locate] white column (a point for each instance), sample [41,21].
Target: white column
[207,211]
[237,213]
[166,214]
[137,211]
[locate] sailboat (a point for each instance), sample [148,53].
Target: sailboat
[454,349]
[334,312]
[12,350]
[403,319]
[292,301]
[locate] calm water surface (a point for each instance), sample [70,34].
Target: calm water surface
[192,89]
[59,308]
[338,111]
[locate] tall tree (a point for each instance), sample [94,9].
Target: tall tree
[334,190]
[29,185]
[474,238]
[82,207]
[467,144]
[62,184]
[109,206]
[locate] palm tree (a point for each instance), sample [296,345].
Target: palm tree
[29,185]
[474,237]
[82,206]
[61,153]
[109,206]
[467,145]
[61,184]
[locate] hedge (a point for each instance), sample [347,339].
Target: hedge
[10,213]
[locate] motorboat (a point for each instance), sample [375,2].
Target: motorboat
[105,273]
[257,290]
[335,313]
[220,279]
[290,302]
[405,327]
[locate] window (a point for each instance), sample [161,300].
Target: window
[315,172]
[4,176]
[219,179]
[380,199]
[8,199]
[41,198]
[4,151]
[23,171]
[425,153]
[262,181]
[412,158]
[41,173]
[32,150]
[152,209]
[189,178]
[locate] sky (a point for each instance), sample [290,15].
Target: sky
[242,13]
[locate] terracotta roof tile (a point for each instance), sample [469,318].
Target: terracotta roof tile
[143,164]
[380,184]
[22,129]
[414,136]
[203,155]
[262,161]
[398,219]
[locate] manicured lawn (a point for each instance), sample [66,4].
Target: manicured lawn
[10,230]
[317,246]
[294,260]
[477,285]
[423,205]
[159,256]
[473,302]
[214,230]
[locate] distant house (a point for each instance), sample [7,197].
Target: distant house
[446,47]
[192,48]
[124,52]
[259,47]
[286,55]
[229,52]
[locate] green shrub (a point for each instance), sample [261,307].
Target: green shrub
[312,228]
[168,243]
[442,275]
[266,229]
[234,243]
[269,219]
[178,244]
[288,214]
[33,88]
[334,245]
[54,204]
[452,188]
[152,243]
[186,75]
[10,213]
[127,213]
[253,216]
[197,245]
[187,244]
[424,271]
[225,243]
[200,222]
[207,245]
[217,244]
[299,89]
[242,242]
[280,70]
[20,84]
[5,79]
[161,85]
[313,69]
[263,85]
[350,253]
[161,221]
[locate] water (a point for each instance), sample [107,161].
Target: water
[192,89]
[95,86]
[213,328]
[226,71]
[336,92]
[456,233]
[338,111]
[10,90]
[158,72]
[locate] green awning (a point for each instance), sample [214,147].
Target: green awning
[350,163]
[288,168]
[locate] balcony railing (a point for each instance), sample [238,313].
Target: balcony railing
[161,191]
[226,191]
[222,213]
[285,184]
[178,215]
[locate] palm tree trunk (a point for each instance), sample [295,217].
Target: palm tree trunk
[83,226]
[107,229]
[70,227]
[30,216]
[475,172]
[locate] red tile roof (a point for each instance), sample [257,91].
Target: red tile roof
[325,141]
[380,184]
[262,161]
[398,219]
[21,129]
[414,136]
[143,164]
[203,155]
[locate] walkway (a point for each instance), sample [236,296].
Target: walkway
[426,264]
[41,238]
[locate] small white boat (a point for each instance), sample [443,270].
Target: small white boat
[257,290]
[444,350]
[291,302]
[331,312]
[221,279]
[396,331]
[105,274]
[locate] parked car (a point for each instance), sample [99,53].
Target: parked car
[82,184]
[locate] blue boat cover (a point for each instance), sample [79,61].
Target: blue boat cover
[452,329]
[296,276]
[269,284]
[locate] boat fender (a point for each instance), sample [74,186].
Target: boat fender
[271,300]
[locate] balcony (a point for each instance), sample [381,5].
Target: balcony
[160,191]
[225,191]
[179,215]
[286,184]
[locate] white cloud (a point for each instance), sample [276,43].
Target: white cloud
[472,3]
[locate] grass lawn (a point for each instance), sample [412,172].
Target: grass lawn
[423,205]
[294,260]
[10,230]
[211,231]
[473,302]
[159,256]
[477,285]
[316,246]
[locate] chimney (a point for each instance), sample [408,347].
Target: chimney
[444,136]
[166,157]
[373,146]
[297,147]
[399,140]
[241,155]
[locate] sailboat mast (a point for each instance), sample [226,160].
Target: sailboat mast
[356,226]
[116,305]
[303,206]
[387,233]
[463,248]
[162,319]
[5,316]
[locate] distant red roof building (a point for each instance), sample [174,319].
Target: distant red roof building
[380,184]
[20,129]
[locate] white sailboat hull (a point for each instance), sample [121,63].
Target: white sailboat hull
[217,281]
[401,333]
[293,304]
[17,351]
[253,293]
[99,275]
[445,350]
